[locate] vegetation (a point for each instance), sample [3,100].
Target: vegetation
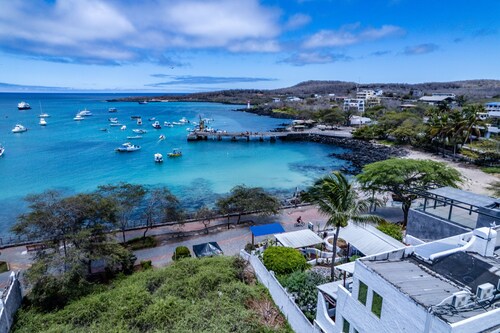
[401,176]
[141,243]
[492,170]
[495,187]
[74,232]
[283,260]
[244,199]
[192,295]
[3,267]
[393,230]
[338,200]
[161,206]
[181,252]
[303,287]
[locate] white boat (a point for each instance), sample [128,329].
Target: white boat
[23,106]
[111,110]
[162,137]
[127,148]
[139,131]
[139,121]
[113,120]
[19,129]
[116,124]
[176,123]
[2,150]
[78,117]
[84,113]
[183,120]
[43,122]
[43,115]
[156,125]
[134,137]
[123,128]
[158,158]
[143,102]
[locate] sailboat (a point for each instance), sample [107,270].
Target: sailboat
[43,115]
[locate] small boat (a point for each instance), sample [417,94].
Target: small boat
[23,106]
[134,137]
[19,129]
[103,129]
[152,119]
[43,115]
[156,125]
[84,113]
[176,152]
[113,120]
[116,124]
[158,158]
[2,150]
[139,121]
[123,128]
[78,117]
[135,117]
[162,137]
[176,123]
[143,102]
[139,131]
[127,148]
[43,122]
[112,110]
[183,120]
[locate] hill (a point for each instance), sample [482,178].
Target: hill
[192,295]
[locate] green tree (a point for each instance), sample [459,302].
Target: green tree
[205,214]
[160,206]
[244,199]
[127,198]
[401,176]
[495,187]
[337,199]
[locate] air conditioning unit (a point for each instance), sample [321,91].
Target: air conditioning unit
[485,291]
[460,299]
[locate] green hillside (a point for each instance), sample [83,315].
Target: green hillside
[209,295]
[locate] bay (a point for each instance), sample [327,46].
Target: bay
[78,156]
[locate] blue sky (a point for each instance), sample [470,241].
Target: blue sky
[201,45]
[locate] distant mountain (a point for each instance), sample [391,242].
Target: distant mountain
[473,89]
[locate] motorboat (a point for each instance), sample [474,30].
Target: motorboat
[134,137]
[143,102]
[152,119]
[113,120]
[23,106]
[123,128]
[116,124]
[176,123]
[168,124]
[176,152]
[139,121]
[158,158]
[103,129]
[43,122]
[84,113]
[135,117]
[139,131]
[112,110]
[2,150]
[19,129]
[78,117]
[156,125]
[127,148]
[183,120]
[43,115]
[162,137]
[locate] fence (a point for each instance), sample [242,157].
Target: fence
[293,314]
[11,301]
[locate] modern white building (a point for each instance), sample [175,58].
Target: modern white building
[371,97]
[492,106]
[447,286]
[493,109]
[357,104]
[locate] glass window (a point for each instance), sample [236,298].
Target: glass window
[345,326]
[377,304]
[362,292]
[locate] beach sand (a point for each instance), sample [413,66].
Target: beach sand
[474,180]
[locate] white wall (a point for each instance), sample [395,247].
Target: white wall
[10,302]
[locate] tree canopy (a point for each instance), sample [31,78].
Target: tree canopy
[400,176]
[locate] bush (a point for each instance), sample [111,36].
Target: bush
[249,247]
[283,260]
[393,230]
[354,258]
[141,243]
[146,264]
[181,252]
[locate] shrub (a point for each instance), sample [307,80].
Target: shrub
[146,264]
[249,247]
[141,243]
[283,260]
[181,252]
[354,258]
[393,230]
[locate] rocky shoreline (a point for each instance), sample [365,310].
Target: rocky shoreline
[361,154]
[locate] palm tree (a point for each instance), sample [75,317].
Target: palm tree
[338,200]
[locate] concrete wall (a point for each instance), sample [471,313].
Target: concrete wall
[486,221]
[428,227]
[323,320]
[295,317]
[11,301]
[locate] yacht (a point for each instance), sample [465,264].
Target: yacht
[162,137]
[139,131]
[2,150]
[158,158]
[183,120]
[139,121]
[84,113]
[23,106]
[78,117]
[43,122]
[176,152]
[112,110]
[156,125]
[127,148]
[134,137]
[19,129]
[143,102]
[43,115]
[123,128]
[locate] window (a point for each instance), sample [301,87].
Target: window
[362,292]
[377,304]
[345,326]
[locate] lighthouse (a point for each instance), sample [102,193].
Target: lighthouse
[248,104]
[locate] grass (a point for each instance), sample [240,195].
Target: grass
[193,295]
[141,243]
[491,170]
[387,142]
[3,267]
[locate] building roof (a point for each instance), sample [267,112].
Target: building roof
[368,239]
[468,198]
[434,98]
[267,229]
[492,104]
[298,239]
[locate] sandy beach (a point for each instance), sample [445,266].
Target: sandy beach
[474,179]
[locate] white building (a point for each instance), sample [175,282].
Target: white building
[357,104]
[371,97]
[448,286]
[492,106]
[358,120]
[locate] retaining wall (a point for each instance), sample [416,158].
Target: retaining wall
[10,302]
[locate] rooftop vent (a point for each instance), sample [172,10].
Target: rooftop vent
[485,291]
[459,299]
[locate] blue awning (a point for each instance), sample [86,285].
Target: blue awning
[267,229]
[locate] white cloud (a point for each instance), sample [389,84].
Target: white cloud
[350,34]
[314,58]
[265,46]
[297,21]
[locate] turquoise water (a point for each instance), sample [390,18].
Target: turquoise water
[78,156]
